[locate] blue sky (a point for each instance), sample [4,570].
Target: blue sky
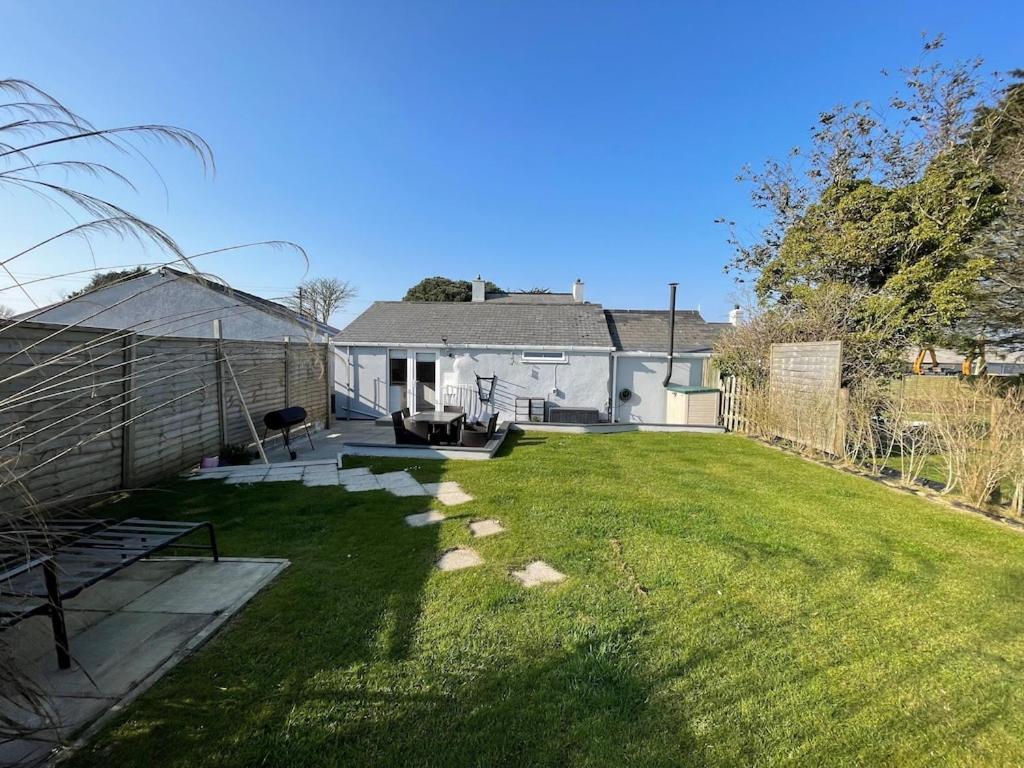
[531,142]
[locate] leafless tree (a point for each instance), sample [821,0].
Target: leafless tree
[321,297]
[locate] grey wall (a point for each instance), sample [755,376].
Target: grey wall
[644,376]
[171,306]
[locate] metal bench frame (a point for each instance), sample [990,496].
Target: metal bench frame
[75,554]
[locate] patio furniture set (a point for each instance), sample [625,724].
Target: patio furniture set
[445,427]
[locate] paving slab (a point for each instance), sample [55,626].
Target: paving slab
[423,518]
[346,474]
[486,528]
[117,655]
[206,587]
[455,497]
[242,479]
[316,480]
[538,572]
[64,715]
[457,559]
[32,638]
[115,592]
[366,483]
[114,655]
[436,489]
[400,484]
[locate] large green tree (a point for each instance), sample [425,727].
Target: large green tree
[996,316]
[110,277]
[440,288]
[891,213]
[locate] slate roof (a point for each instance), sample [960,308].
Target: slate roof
[646,330]
[521,297]
[483,323]
[258,302]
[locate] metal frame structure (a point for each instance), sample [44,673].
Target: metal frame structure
[74,554]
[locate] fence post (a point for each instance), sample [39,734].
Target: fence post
[222,394]
[329,381]
[128,411]
[287,372]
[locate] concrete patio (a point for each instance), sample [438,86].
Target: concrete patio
[370,438]
[125,632]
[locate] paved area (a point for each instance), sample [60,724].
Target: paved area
[483,528]
[325,472]
[125,633]
[327,442]
[538,572]
[458,559]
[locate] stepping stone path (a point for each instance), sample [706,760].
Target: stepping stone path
[457,559]
[486,528]
[357,479]
[448,493]
[400,484]
[538,572]
[423,518]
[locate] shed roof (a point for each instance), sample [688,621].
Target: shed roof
[482,323]
[646,330]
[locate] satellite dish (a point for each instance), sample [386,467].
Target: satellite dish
[625,393]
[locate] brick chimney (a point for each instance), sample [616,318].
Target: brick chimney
[577,291]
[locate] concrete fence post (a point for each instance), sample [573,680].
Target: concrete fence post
[128,411]
[329,382]
[222,393]
[287,372]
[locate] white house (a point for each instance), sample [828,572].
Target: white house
[500,351]
[168,302]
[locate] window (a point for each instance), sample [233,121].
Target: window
[538,356]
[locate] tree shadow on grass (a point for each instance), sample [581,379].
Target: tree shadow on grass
[324,668]
[585,706]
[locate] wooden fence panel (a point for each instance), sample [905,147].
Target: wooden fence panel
[804,400]
[86,411]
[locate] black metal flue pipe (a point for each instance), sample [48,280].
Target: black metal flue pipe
[671,330]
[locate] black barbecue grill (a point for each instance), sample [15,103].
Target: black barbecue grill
[283,420]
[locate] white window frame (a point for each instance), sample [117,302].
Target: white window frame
[543,357]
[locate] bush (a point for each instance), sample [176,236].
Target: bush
[234,454]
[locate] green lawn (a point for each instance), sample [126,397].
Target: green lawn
[727,604]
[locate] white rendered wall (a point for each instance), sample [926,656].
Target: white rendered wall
[644,376]
[360,382]
[582,381]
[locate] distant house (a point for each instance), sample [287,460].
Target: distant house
[168,302]
[553,348]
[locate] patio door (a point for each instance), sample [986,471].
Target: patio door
[398,379]
[426,381]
